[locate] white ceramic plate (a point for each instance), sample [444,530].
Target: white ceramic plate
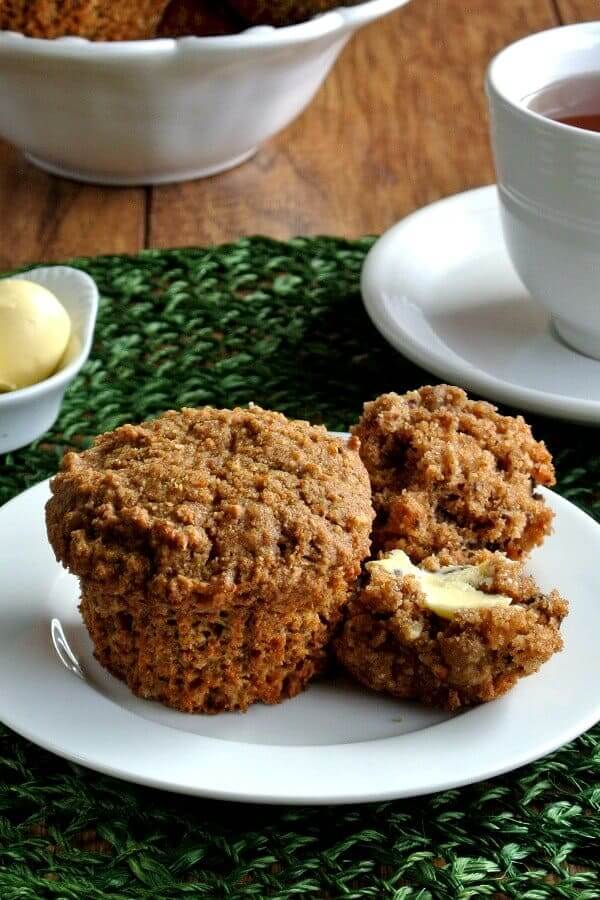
[440,287]
[336,743]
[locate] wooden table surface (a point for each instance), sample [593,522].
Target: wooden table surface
[401,121]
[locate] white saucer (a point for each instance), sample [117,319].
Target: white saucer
[440,287]
[336,743]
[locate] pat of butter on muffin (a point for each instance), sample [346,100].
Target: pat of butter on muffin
[34,332]
[447,591]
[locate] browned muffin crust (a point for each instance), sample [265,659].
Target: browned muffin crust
[391,642]
[215,550]
[97,20]
[450,473]
[12,14]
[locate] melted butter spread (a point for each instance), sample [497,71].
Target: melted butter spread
[448,590]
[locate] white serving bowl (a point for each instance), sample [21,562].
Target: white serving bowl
[150,112]
[27,413]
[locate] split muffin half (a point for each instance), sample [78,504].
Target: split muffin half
[449,635]
[452,474]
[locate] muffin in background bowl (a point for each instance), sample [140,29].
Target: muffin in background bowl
[134,20]
[97,20]
[215,549]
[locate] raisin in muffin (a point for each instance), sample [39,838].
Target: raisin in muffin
[284,12]
[215,551]
[198,17]
[401,637]
[450,473]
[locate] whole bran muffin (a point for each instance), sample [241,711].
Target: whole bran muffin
[452,474]
[215,551]
[391,642]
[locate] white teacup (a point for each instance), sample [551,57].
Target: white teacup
[549,179]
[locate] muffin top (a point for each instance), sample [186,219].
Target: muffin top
[216,503]
[452,474]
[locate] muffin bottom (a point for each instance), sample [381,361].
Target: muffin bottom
[392,643]
[213,660]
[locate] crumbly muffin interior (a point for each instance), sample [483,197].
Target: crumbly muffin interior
[391,642]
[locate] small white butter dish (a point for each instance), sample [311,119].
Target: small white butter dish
[27,413]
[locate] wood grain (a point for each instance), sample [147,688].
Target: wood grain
[45,218]
[578,10]
[401,121]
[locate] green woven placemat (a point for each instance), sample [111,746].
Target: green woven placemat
[282,325]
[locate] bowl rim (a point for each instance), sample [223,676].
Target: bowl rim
[335,21]
[63,376]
